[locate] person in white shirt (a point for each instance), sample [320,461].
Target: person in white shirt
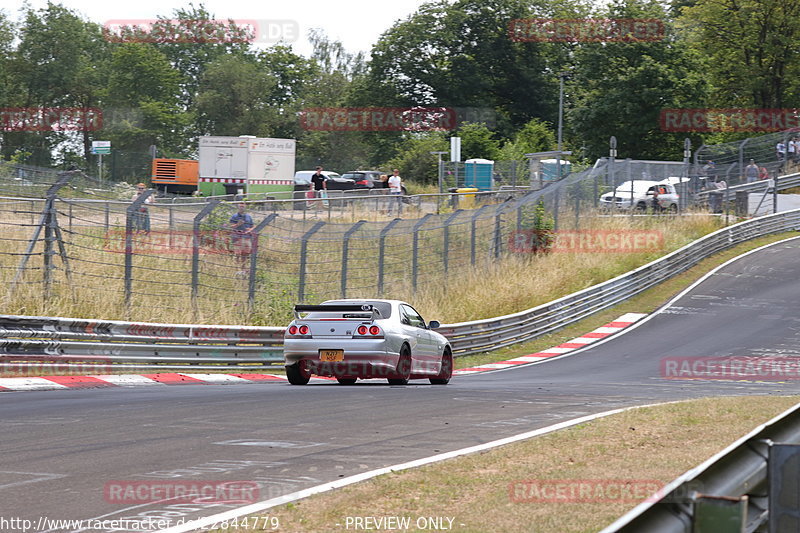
[396,190]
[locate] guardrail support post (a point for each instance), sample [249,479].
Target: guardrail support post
[382,253]
[345,249]
[301,286]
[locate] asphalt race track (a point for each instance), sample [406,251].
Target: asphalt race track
[60,449]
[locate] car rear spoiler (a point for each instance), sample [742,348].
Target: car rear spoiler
[338,308]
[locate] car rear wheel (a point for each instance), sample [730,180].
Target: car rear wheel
[447,370]
[641,206]
[346,381]
[403,370]
[297,373]
[673,208]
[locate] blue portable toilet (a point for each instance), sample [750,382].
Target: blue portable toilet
[478,174]
[549,169]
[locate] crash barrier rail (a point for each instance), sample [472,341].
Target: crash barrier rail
[45,339]
[781,183]
[752,482]
[29,341]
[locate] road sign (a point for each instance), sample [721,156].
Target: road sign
[101,147]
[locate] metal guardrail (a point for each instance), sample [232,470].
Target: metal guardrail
[490,334]
[145,345]
[782,183]
[65,339]
[750,483]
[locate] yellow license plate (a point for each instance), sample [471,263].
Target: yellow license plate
[331,355]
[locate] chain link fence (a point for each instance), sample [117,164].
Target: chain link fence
[111,256]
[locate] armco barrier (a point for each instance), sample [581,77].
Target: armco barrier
[756,486]
[148,345]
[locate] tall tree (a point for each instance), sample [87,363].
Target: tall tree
[619,88]
[750,48]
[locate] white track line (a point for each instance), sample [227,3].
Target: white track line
[325,487]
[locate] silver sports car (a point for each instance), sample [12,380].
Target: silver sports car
[352,339]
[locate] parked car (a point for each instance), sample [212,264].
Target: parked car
[359,339]
[638,194]
[336,182]
[369,179]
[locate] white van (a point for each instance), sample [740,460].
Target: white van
[639,195]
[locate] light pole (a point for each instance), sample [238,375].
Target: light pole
[561,77]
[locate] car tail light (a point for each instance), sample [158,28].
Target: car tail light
[374,330]
[292,330]
[362,330]
[303,330]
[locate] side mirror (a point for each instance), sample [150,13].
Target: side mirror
[433,324]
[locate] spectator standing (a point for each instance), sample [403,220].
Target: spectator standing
[396,190]
[780,150]
[751,172]
[763,173]
[241,236]
[791,149]
[141,218]
[319,184]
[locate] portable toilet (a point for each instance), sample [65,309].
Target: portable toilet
[549,169]
[478,174]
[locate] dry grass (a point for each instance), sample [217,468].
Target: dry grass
[521,282]
[653,443]
[163,291]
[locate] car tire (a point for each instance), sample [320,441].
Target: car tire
[297,374]
[347,381]
[673,208]
[641,206]
[443,378]
[403,370]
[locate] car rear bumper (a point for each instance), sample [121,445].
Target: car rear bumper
[362,358]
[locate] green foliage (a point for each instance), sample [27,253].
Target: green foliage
[535,136]
[477,141]
[414,158]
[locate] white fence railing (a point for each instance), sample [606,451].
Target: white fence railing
[42,340]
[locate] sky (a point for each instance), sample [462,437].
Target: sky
[356,23]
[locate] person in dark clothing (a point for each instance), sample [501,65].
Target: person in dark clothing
[319,184]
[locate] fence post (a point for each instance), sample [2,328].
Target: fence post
[251,286]
[301,289]
[171,225]
[107,216]
[196,246]
[44,222]
[345,249]
[415,250]
[472,233]
[447,237]
[498,241]
[382,252]
[129,214]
